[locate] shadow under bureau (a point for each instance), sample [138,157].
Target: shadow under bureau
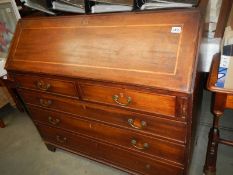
[121,89]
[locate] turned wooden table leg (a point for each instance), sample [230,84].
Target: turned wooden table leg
[2,125]
[212,149]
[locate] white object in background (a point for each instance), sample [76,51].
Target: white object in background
[213,10]
[9,16]
[209,47]
[228,36]
[99,8]
[67,7]
[14,6]
[160,4]
[2,70]
[40,5]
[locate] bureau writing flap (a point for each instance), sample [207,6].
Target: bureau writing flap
[156,49]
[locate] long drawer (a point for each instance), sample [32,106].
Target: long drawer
[58,86]
[127,98]
[126,138]
[114,155]
[151,125]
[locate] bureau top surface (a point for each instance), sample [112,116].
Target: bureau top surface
[156,49]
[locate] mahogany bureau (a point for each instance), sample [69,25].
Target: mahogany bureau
[117,88]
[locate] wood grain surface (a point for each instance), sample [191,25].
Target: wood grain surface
[133,48]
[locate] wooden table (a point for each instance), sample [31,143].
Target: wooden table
[2,125]
[223,99]
[10,94]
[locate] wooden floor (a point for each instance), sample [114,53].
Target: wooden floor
[23,153]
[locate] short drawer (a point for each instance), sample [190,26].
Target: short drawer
[58,86]
[134,141]
[149,102]
[159,127]
[107,153]
[50,101]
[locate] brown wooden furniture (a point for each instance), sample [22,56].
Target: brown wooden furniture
[223,99]
[5,97]
[121,89]
[2,125]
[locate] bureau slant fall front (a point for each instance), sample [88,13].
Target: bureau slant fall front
[120,89]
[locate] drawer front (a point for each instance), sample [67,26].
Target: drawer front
[141,123]
[154,103]
[134,141]
[49,101]
[47,84]
[113,155]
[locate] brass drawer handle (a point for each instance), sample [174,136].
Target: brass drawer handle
[116,98]
[53,121]
[139,145]
[142,124]
[61,139]
[45,103]
[42,85]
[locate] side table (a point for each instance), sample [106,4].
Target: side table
[2,125]
[223,99]
[14,99]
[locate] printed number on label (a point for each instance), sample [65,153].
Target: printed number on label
[176,30]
